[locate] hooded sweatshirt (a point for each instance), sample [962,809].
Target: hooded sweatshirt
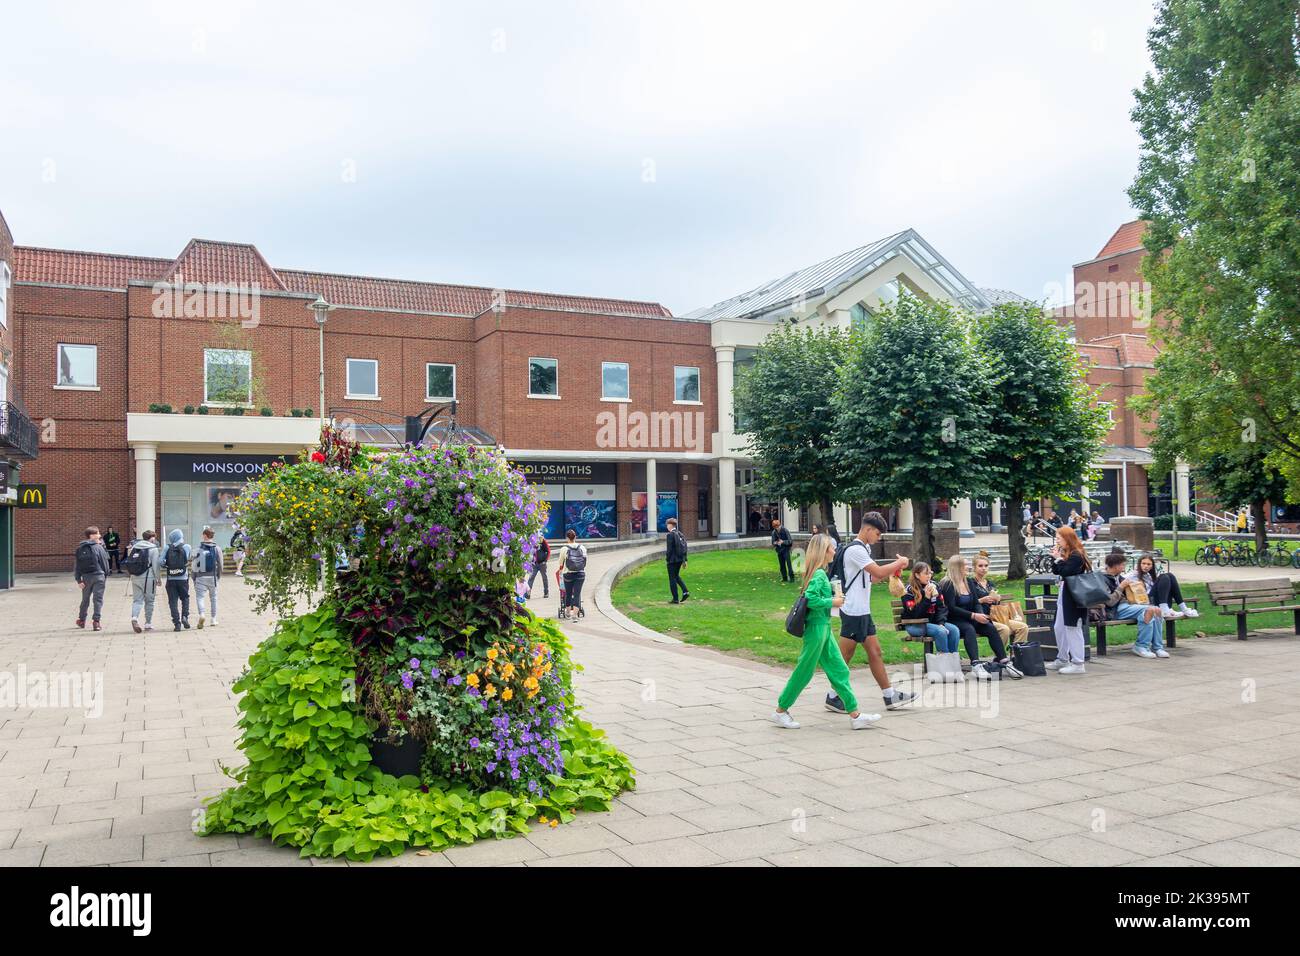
[174,537]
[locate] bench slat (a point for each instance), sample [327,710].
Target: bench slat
[1261,610]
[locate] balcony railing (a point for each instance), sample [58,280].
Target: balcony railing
[19,436]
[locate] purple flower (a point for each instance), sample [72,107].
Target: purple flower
[473,743]
[415,663]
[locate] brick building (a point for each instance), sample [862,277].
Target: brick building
[607,402]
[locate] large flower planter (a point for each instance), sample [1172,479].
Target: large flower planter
[398,759]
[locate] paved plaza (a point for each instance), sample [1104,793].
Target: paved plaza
[1193,761]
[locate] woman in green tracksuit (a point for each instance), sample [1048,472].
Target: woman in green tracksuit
[818,647]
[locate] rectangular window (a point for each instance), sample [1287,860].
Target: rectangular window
[363,378]
[614,381]
[4,389]
[439,382]
[543,378]
[227,377]
[78,366]
[5,281]
[686,383]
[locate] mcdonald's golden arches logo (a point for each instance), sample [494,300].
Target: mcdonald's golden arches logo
[31,496]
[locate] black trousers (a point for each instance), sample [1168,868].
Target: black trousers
[969,630]
[787,569]
[1166,590]
[178,600]
[573,588]
[675,579]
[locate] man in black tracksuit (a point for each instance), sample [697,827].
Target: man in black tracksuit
[781,542]
[676,558]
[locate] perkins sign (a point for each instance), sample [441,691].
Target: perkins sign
[206,467]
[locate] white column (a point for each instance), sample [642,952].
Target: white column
[146,487]
[726,497]
[843,518]
[725,356]
[961,514]
[1084,507]
[996,507]
[1182,474]
[905,515]
[789,516]
[651,498]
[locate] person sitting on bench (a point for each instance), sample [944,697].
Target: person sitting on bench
[1150,629]
[1162,589]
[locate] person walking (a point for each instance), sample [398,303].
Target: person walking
[818,648]
[113,545]
[782,543]
[573,562]
[238,551]
[856,626]
[541,555]
[142,564]
[206,568]
[175,568]
[90,570]
[1070,560]
[676,560]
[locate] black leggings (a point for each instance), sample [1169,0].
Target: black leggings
[1166,590]
[573,588]
[969,630]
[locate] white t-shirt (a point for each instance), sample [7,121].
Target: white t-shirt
[857,594]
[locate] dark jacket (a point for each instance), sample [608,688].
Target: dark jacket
[101,559]
[112,540]
[781,538]
[933,608]
[676,547]
[981,591]
[959,614]
[1071,613]
[542,554]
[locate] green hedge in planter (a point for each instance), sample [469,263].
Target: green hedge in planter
[203,409]
[1164,523]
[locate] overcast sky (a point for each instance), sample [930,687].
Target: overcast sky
[677,152]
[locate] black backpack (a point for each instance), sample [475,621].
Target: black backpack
[87,563]
[575,559]
[137,562]
[837,562]
[175,561]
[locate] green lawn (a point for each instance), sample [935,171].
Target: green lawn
[738,605]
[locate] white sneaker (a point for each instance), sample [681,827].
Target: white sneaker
[784,720]
[213,622]
[1055,665]
[200,622]
[1190,611]
[1172,615]
[1142,651]
[862,721]
[148,627]
[1161,653]
[979,673]
[1072,669]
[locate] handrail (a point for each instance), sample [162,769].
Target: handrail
[18,433]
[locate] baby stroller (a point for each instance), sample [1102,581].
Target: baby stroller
[564,596]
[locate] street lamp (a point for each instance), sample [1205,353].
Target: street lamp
[319,309]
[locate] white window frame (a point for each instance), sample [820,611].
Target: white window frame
[58,351]
[6,280]
[627,372]
[360,396]
[699,386]
[213,404]
[437,398]
[4,389]
[543,358]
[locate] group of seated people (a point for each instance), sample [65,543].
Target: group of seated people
[957,610]
[1048,522]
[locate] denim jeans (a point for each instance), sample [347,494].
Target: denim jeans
[1150,634]
[945,635]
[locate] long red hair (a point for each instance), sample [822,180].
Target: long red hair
[1070,544]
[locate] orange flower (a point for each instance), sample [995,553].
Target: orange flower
[492,654]
[507,694]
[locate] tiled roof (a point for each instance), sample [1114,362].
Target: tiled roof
[1127,238]
[1131,349]
[232,263]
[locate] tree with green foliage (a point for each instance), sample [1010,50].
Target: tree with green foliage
[1244,475]
[783,403]
[1046,426]
[1219,181]
[912,412]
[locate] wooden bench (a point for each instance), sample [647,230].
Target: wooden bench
[1171,637]
[1254,597]
[901,623]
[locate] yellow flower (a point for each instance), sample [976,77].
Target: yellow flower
[507,694]
[492,654]
[490,691]
[554,823]
[472,680]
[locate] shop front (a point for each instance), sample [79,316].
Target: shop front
[198,490]
[583,496]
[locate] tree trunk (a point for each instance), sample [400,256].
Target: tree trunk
[923,533]
[828,514]
[1011,514]
[1261,528]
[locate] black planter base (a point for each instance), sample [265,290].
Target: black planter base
[398,759]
